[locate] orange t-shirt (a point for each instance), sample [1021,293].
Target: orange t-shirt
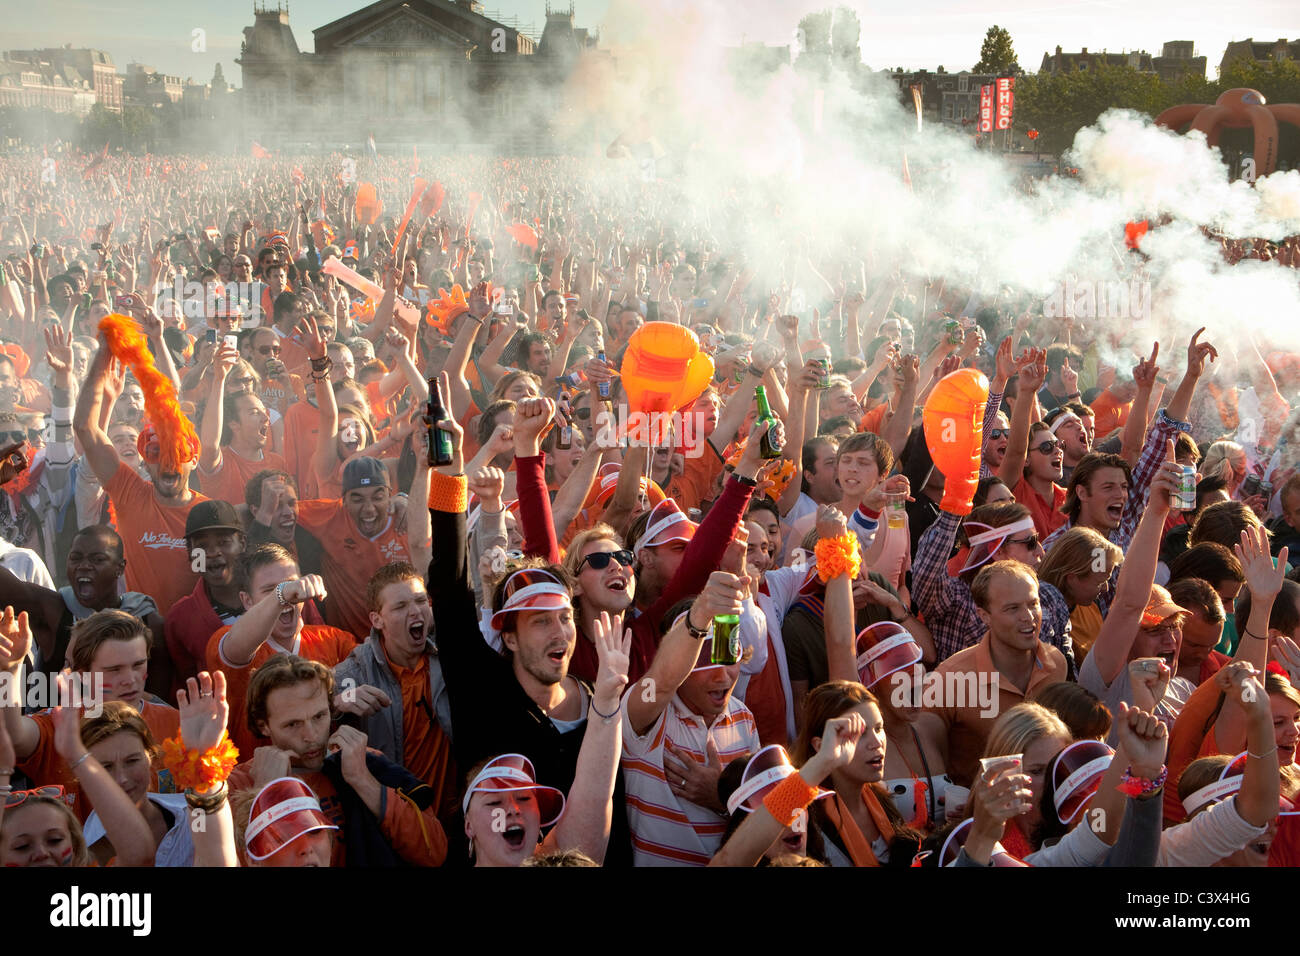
[695,482]
[227,482]
[275,395]
[871,420]
[316,642]
[153,539]
[1109,413]
[349,559]
[426,751]
[46,768]
[1047,516]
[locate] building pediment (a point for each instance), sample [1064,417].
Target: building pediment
[402,28]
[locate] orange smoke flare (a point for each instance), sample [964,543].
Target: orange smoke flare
[179,442]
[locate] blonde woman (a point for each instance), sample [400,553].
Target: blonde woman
[1079,565]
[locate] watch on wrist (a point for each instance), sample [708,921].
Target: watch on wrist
[699,633]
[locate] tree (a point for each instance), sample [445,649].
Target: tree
[996,53]
[846,30]
[814,34]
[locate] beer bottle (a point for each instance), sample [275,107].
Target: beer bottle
[768,447]
[602,388]
[564,438]
[726,639]
[440,444]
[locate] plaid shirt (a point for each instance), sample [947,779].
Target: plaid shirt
[946,604]
[990,416]
[1163,428]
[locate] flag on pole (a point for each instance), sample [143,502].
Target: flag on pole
[260,151]
[370,145]
[95,163]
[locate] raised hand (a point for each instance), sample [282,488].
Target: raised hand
[613,656]
[1243,686]
[831,522]
[1198,352]
[1000,794]
[1069,377]
[1005,360]
[15,640]
[1146,370]
[1143,738]
[58,350]
[67,721]
[304,589]
[723,594]
[488,484]
[840,739]
[204,711]
[310,335]
[1287,653]
[1264,575]
[1150,677]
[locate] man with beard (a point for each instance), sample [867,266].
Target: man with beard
[94,564]
[150,514]
[235,434]
[273,596]
[396,680]
[384,813]
[365,530]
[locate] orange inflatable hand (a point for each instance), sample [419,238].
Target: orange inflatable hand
[953,419]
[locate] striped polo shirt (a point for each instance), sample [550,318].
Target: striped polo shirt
[666,830]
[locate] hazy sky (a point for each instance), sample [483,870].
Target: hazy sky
[914,35]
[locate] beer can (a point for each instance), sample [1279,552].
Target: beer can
[726,639]
[1185,498]
[824,380]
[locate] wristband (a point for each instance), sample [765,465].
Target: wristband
[789,798]
[1140,786]
[448,493]
[1255,636]
[699,633]
[321,364]
[745,480]
[1163,419]
[79,761]
[608,717]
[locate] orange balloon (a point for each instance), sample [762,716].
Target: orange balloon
[953,419]
[368,206]
[664,369]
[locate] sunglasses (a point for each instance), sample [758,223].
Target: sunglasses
[599,560]
[582,414]
[1031,542]
[19,797]
[12,438]
[269,350]
[995,434]
[1048,447]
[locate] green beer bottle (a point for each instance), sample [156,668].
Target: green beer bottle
[768,448]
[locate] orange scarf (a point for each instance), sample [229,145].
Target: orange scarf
[857,845]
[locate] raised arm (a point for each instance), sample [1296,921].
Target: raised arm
[213,421]
[589,810]
[15,642]
[253,628]
[568,500]
[1133,590]
[839,622]
[1144,375]
[679,650]
[532,417]
[125,826]
[1023,415]
[204,713]
[99,449]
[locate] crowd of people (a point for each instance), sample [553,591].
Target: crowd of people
[263,607]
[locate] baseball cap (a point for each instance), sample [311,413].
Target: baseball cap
[364,472]
[212,516]
[283,810]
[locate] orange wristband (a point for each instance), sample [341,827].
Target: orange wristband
[448,493]
[789,798]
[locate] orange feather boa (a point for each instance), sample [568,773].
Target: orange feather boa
[179,442]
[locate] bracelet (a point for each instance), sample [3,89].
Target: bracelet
[79,761]
[321,364]
[755,371]
[609,717]
[1266,753]
[746,481]
[1139,786]
[279,594]
[699,633]
[208,802]
[1255,636]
